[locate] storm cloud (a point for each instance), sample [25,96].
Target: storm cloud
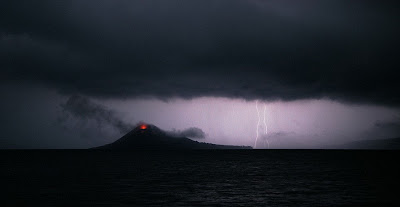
[271,50]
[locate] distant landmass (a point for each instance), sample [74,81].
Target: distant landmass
[389,144]
[150,137]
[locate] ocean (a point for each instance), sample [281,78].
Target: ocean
[199,178]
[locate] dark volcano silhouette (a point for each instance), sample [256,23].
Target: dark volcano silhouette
[149,137]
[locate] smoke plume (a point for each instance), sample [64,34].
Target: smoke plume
[82,108]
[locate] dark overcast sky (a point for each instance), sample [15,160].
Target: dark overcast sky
[344,50]
[71,69]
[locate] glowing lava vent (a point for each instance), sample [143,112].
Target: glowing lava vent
[143,126]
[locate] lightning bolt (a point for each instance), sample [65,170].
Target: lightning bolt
[265,125]
[258,123]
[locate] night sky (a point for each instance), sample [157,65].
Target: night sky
[78,74]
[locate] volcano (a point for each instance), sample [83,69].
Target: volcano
[150,137]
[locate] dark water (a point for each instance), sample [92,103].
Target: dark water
[199,178]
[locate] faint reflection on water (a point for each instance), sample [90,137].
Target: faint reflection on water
[205,178]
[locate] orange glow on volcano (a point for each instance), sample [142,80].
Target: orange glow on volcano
[143,126]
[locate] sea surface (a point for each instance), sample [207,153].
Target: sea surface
[199,178]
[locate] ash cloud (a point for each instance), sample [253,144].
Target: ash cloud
[389,125]
[286,50]
[191,132]
[84,109]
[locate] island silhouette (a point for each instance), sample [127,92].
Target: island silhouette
[149,137]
